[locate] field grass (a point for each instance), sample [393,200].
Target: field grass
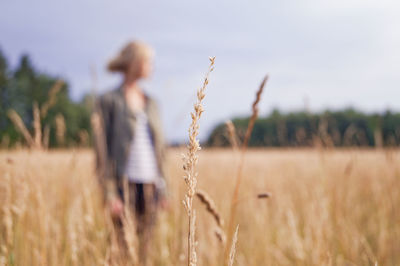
[327,207]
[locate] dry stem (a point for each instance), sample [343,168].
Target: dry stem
[52,98]
[239,175]
[19,124]
[210,206]
[189,165]
[37,128]
[233,247]
[60,129]
[232,134]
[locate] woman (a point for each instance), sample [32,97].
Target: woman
[133,144]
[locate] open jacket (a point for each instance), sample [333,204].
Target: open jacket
[117,123]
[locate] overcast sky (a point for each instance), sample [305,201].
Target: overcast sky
[335,54]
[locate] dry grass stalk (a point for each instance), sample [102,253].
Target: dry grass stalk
[239,175]
[192,259]
[129,225]
[83,136]
[7,215]
[378,137]
[46,136]
[37,128]
[60,129]
[189,166]
[99,144]
[19,124]
[324,135]
[264,195]
[220,234]
[73,239]
[254,114]
[232,134]
[349,134]
[52,99]
[113,247]
[233,247]
[210,206]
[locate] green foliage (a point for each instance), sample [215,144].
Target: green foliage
[24,85]
[340,128]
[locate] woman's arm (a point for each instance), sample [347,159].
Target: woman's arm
[101,123]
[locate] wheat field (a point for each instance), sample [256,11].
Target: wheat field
[326,207]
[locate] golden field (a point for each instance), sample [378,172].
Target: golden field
[327,207]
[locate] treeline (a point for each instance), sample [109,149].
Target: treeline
[62,122]
[328,129]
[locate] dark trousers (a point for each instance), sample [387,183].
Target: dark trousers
[142,200]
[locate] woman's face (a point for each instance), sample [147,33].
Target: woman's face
[141,69]
[146,68]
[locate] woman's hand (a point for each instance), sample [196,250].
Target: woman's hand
[116,207]
[164,204]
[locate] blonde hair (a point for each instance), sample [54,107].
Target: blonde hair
[132,53]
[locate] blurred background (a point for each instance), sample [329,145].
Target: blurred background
[333,67]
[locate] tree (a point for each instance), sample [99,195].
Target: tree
[342,128]
[24,86]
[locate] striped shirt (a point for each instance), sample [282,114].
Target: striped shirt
[141,164]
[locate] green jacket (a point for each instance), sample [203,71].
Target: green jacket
[118,130]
